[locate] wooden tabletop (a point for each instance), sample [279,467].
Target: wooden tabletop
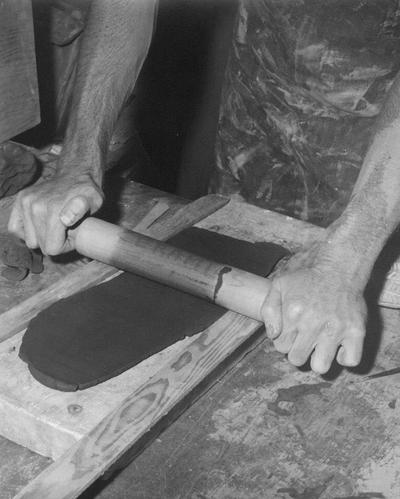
[296,432]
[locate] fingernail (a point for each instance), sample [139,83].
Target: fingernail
[67,219]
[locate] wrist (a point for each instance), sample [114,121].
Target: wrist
[80,163]
[352,246]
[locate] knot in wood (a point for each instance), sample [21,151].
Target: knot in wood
[75,409]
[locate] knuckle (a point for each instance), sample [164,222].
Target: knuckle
[294,309]
[90,198]
[53,206]
[268,310]
[331,329]
[37,207]
[13,225]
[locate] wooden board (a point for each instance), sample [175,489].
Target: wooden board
[19,101]
[184,365]
[190,363]
[47,421]
[137,413]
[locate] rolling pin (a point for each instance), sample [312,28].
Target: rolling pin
[227,286]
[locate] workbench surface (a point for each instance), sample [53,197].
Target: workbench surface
[265,429]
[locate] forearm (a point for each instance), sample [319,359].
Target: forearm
[373,211]
[114,46]
[315,307]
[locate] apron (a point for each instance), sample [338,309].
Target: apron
[303,86]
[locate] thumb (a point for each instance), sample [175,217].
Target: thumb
[271,313]
[74,210]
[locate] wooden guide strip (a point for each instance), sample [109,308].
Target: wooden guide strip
[152,216]
[17,318]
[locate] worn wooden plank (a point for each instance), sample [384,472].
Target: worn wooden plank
[48,421]
[42,407]
[19,101]
[239,226]
[42,419]
[235,219]
[248,222]
[92,455]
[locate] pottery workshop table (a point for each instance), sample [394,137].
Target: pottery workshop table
[263,430]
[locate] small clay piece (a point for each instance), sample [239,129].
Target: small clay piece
[99,333]
[18,258]
[15,273]
[18,168]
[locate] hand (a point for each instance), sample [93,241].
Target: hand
[316,310]
[42,213]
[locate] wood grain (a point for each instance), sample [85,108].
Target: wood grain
[19,101]
[90,457]
[87,460]
[48,421]
[253,224]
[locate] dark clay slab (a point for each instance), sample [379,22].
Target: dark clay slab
[97,334]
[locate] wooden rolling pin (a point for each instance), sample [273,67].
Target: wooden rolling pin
[227,286]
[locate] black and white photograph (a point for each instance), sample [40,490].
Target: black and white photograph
[199,249]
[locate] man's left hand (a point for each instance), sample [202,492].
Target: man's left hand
[315,310]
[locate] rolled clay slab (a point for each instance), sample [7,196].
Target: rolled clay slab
[97,334]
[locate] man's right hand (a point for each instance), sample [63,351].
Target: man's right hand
[42,213]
